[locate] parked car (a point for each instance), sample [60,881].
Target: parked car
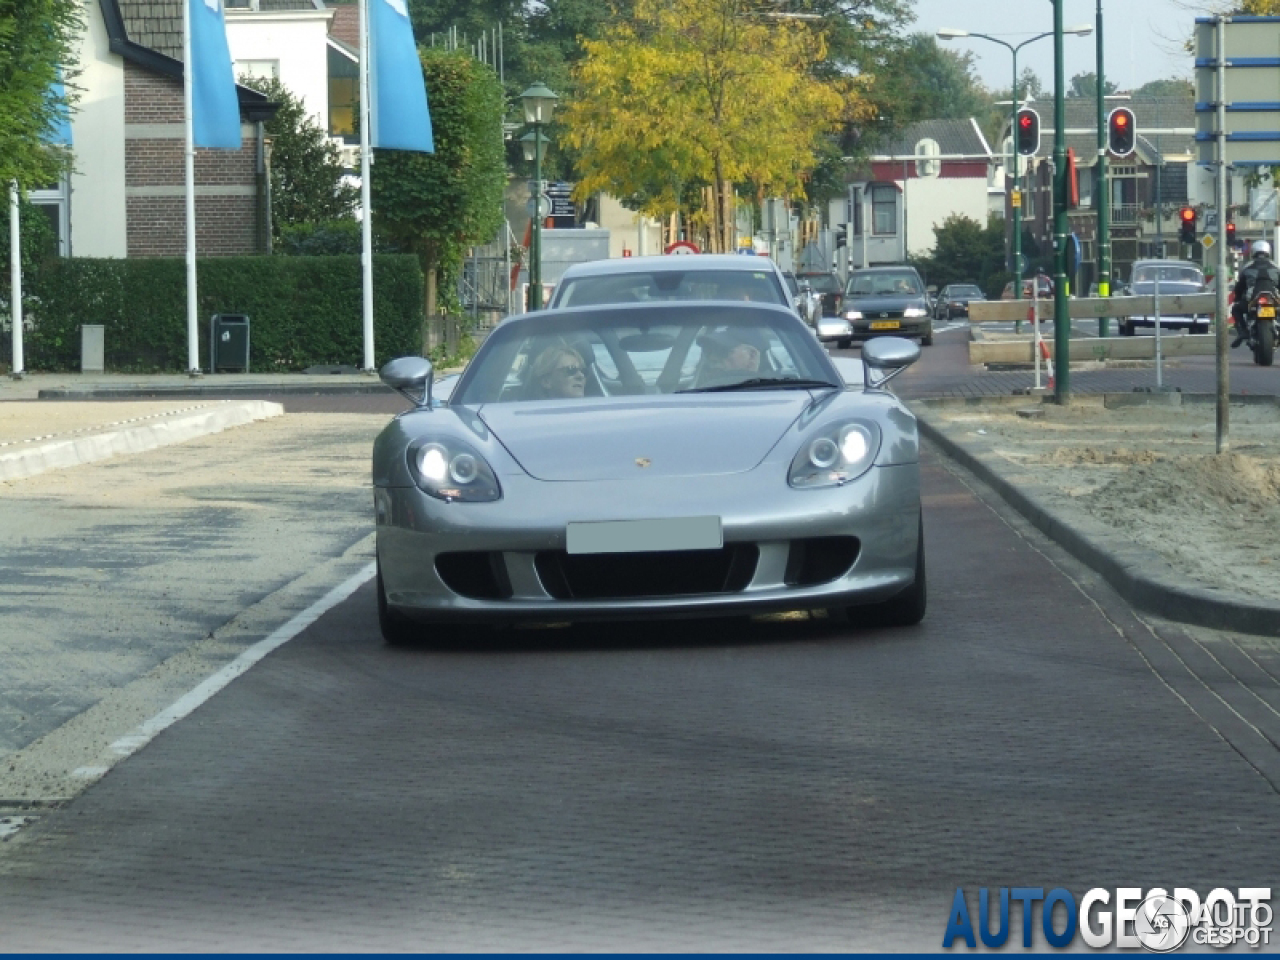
[712,489]
[954,299]
[1045,283]
[881,301]
[651,279]
[803,298]
[1176,277]
[829,290]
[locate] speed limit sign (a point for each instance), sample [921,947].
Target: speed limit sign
[682,246]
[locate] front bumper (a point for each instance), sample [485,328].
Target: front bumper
[881,509]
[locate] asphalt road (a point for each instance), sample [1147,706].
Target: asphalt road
[763,785]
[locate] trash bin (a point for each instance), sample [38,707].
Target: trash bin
[229,343]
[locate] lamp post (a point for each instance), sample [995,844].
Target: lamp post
[947,33]
[1104,201]
[538,102]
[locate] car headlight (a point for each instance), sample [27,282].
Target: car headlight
[836,456]
[450,470]
[914,312]
[853,315]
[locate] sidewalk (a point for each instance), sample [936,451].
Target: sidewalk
[46,386]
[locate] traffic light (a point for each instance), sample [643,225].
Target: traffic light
[1122,131]
[1231,234]
[1187,225]
[842,235]
[1028,133]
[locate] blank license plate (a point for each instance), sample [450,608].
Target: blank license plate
[644,536]
[885,325]
[1266,311]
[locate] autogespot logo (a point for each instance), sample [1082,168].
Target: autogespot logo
[1156,920]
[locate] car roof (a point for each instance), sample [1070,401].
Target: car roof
[1166,263]
[701,261]
[894,267]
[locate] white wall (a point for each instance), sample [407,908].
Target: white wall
[628,229]
[98,225]
[298,41]
[930,200]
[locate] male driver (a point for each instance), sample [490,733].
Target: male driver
[1259,275]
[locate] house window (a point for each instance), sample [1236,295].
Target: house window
[884,211]
[53,202]
[344,94]
[258,69]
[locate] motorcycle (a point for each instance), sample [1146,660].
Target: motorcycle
[1261,318]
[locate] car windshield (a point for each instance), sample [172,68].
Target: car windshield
[822,282]
[760,286]
[634,351]
[792,286]
[964,291]
[885,283]
[1166,273]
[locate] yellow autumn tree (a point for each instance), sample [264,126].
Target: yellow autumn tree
[1262,8]
[702,90]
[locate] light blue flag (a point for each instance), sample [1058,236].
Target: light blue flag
[59,133]
[215,109]
[399,116]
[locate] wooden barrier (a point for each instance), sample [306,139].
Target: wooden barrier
[1085,308]
[1095,348]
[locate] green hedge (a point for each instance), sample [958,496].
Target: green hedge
[303,311]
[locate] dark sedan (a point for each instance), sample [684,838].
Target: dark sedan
[827,287]
[881,301]
[954,299]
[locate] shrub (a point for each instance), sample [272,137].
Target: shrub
[303,311]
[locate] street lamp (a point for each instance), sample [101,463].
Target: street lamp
[539,103]
[948,33]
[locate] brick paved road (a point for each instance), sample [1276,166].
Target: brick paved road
[761,786]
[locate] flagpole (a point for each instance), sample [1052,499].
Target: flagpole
[366,205]
[15,273]
[188,75]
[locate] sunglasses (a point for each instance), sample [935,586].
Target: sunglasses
[574,371]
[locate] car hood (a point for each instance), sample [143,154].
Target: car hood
[675,436]
[885,304]
[1167,287]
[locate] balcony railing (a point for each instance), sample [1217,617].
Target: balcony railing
[1126,212]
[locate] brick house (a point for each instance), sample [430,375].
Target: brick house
[126,196]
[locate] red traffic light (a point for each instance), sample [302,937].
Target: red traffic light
[1187,229]
[1025,121]
[1028,133]
[1188,216]
[1122,133]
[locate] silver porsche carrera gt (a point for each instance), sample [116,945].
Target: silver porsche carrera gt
[673,459]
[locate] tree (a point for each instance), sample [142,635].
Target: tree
[1169,87]
[965,251]
[928,82]
[306,172]
[1086,85]
[436,205]
[38,43]
[702,90]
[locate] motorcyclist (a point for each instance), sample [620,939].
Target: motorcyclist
[1260,274]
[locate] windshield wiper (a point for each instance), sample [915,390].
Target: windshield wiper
[757,383]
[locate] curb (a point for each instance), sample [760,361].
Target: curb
[1135,573]
[73,451]
[210,390]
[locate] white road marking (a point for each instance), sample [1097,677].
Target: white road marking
[11,825]
[194,698]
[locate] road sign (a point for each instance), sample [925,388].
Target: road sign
[1262,203]
[1015,199]
[1250,74]
[1207,241]
[543,208]
[682,247]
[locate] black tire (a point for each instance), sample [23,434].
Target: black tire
[927,339]
[907,608]
[397,629]
[1126,328]
[1264,353]
[843,344]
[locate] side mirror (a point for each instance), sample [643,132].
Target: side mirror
[408,374]
[888,357]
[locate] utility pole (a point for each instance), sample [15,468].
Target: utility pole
[1061,309]
[1103,184]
